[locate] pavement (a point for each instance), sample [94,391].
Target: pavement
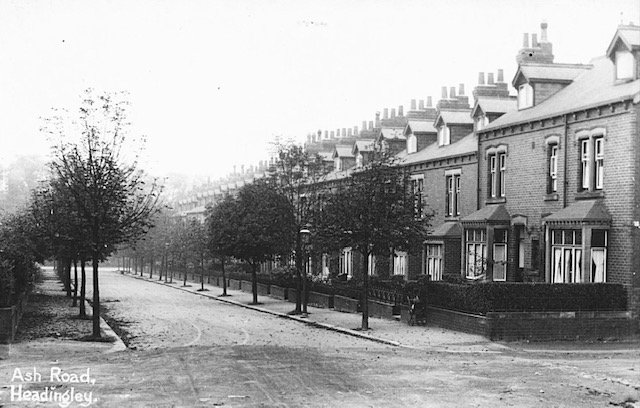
[393,332]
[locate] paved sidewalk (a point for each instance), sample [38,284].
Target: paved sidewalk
[386,331]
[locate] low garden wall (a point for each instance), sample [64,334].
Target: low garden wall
[345,304]
[246,286]
[278,292]
[234,284]
[322,300]
[263,289]
[382,309]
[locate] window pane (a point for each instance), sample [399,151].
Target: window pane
[568,237]
[578,266]
[598,238]
[557,237]
[598,264]
[500,235]
[557,265]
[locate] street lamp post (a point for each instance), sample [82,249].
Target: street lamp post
[305,236]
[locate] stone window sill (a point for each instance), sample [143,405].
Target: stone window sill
[496,200]
[551,197]
[586,195]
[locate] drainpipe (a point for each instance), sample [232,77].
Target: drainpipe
[566,148]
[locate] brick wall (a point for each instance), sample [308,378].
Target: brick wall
[457,132]
[526,181]
[543,91]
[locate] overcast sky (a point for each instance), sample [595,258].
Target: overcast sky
[211,82]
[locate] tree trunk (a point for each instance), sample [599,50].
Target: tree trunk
[305,286]
[151,267]
[298,275]
[67,274]
[365,292]
[224,278]
[254,282]
[96,298]
[75,284]
[201,272]
[83,286]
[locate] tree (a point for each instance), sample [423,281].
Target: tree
[296,174]
[264,227]
[374,212]
[220,226]
[106,188]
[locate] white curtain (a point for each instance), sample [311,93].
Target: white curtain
[597,264]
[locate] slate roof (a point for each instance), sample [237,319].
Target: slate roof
[420,126]
[446,229]
[553,72]
[454,117]
[495,105]
[342,151]
[594,87]
[582,211]
[392,133]
[365,145]
[489,214]
[467,144]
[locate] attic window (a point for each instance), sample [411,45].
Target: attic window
[525,96]
[481,122]
[412,144]
[624,65]
[444,137]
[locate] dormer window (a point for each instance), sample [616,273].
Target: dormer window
[525,96]
[412,144]
[444,136]
[337,164]
[624,65]
[481,122]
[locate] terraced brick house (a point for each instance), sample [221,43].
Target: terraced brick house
[559,197]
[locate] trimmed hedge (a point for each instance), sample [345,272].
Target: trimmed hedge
[486,297]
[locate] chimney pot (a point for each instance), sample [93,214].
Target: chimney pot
[370,125]
[364,125]
[461,90]
[386,113]
[444,92]
[500,76]
[319,134]
[452,92]
[401,110]
[490,78]
[429,102]
[393,112]
[481,78]
[421,104]
[534,40]
[377,120]
[413,104]
[543,32]
[525,40]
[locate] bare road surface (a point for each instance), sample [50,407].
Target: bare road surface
[190,351]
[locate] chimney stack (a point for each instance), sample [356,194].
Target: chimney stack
[444,92]
[525,40]
[401,110]
[386,113]
[364,125]
[421,104]
[534,40]
[500,76]
[543,32]
[355,131]
[429,102]
[333,134]
[319,135]
[481,78]
[452,92]
[413,104]
[490,78]
[393,113]
[349,132]
[461,90]
[371,123]
[377,119]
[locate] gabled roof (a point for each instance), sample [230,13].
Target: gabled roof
[494,105]
[392,133]
[628,35]
[419,126]
[466,145]
[342,151]
[582,211]
[491,214]
[454,117]
[593,87]
[563,73]
[364,145]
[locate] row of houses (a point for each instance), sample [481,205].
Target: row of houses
[542,185]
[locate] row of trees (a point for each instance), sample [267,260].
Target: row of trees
[374,211]
[96,197]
